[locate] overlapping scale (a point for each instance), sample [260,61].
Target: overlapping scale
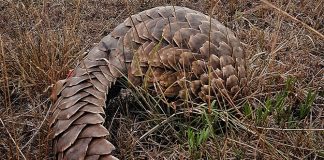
[190,56]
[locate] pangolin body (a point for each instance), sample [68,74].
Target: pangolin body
[177,52]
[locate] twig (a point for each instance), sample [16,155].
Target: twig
[244,144]
[158,125]
[292,129]
[40,126]
[12,139]
[293,18]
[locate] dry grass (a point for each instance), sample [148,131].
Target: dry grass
[41,40]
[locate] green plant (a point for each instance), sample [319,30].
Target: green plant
[197,138]
[247,110]
[280,101]
[263,113]
[305,108]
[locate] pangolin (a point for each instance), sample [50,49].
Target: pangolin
[177,52]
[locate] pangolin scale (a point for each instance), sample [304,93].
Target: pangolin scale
[175,51]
